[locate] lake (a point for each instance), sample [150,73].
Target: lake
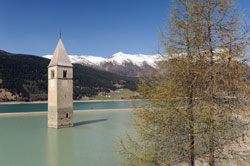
[38,107]
[26,140]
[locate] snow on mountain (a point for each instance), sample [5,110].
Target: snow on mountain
[137,59]
[89,60]
[120,59]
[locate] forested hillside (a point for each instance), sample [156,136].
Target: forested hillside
[25,78]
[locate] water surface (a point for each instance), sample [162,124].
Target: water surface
[38,107]
[26,140]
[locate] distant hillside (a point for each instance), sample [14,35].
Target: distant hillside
[24,77]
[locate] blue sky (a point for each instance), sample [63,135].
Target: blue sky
[89,27]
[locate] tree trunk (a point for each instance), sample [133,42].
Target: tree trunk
[190,91]
[191,132]
[211,140]
[211,121]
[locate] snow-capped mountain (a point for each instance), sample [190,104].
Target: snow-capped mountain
[120,63]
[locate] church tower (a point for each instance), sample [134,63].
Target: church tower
[60,89]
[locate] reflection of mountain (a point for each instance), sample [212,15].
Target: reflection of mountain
[24,77]
[119,63]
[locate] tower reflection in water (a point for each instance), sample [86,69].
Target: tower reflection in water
[60,147]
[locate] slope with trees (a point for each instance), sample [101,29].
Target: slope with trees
[26,77]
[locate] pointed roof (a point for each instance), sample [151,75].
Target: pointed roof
[60,57]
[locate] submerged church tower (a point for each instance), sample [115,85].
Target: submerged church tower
[60,89]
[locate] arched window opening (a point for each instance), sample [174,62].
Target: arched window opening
[64,73]
[52,74]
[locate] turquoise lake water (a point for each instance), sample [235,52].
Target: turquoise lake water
[26,140]
[9,108]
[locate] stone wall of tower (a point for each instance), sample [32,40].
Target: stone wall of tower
[52,97]
[60,97]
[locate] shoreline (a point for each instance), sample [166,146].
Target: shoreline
[76,111]
[75,101]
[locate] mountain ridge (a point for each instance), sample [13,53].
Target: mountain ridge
[119,63]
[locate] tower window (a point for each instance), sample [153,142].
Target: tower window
[64,73]
[67,115]
[52,74]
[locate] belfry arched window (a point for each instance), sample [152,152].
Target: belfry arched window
[52,74]
[64,73]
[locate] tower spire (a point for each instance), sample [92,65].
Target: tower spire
[60,57]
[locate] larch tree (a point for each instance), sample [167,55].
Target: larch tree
[170,95]
[197,104]
[226,92]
